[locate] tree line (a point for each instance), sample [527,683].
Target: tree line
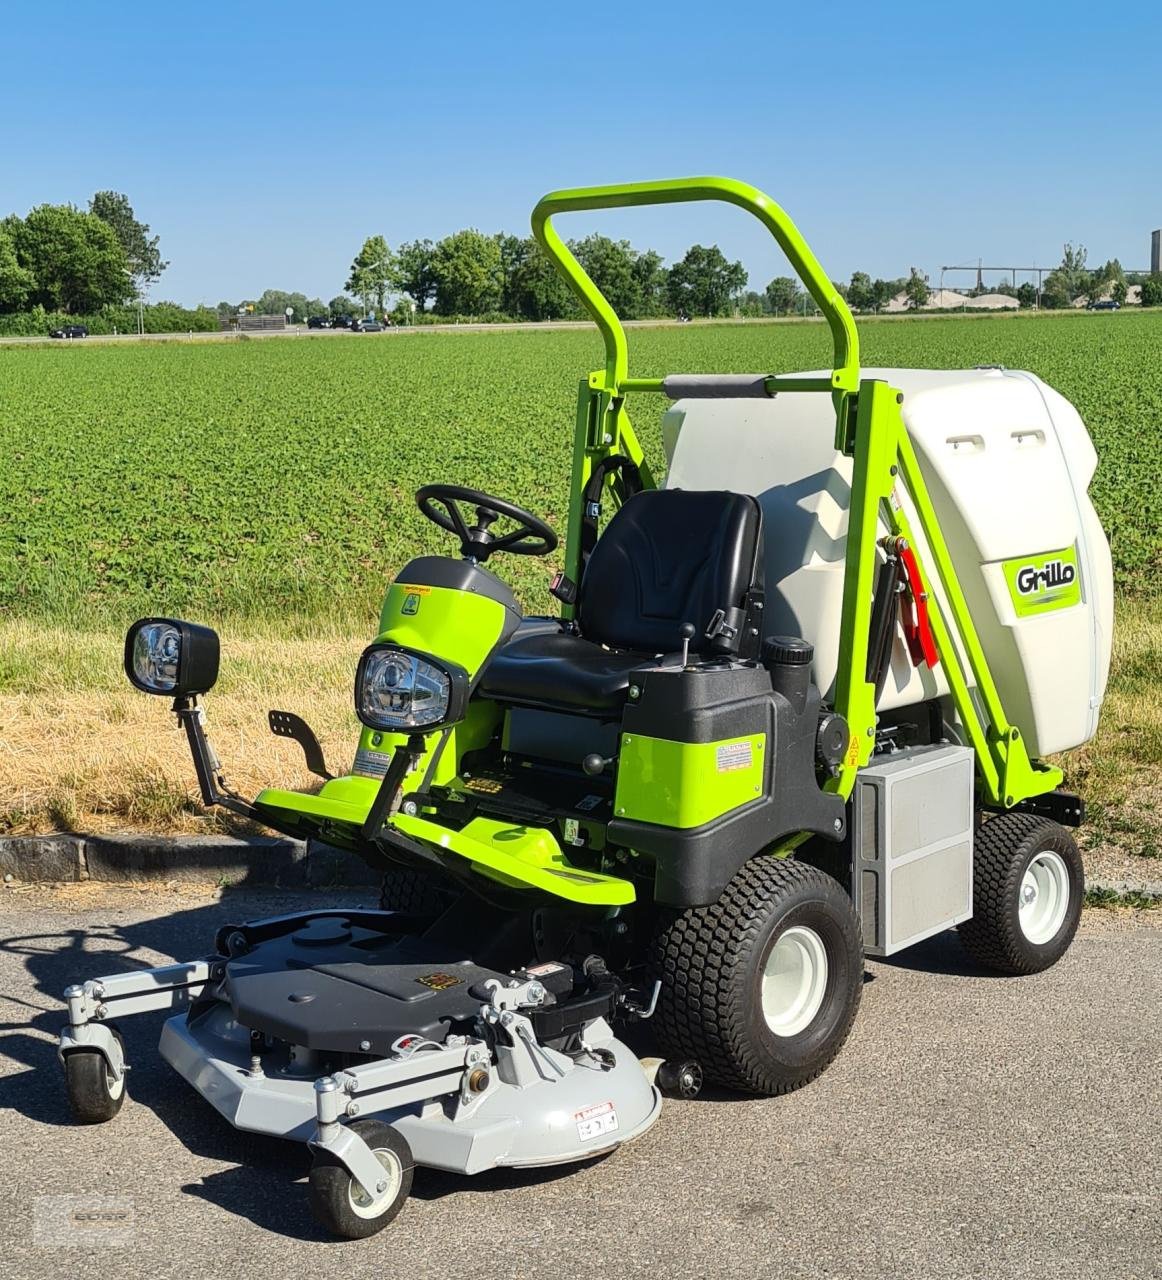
[64,261]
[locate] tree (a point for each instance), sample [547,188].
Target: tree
[74,257]
[859,292]
[1152,291]
[1119,291]
[413,272]
[651,277]
[882,292]
[752,304]
[782,295]
[141,251]
[468,272]
[342,305]
[704,283]
[917,290]
[372,273]
[1027,294]
[533,288]
[610,264]
[1068,282]
[17,283]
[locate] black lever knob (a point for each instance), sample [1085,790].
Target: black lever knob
[594,764]
[686,631]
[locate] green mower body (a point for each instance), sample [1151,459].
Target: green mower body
[655,776]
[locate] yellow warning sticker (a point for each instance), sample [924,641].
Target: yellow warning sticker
[852,757]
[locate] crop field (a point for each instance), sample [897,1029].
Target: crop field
[266,487]
[275,478]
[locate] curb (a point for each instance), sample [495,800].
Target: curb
[272,861]
[266,861]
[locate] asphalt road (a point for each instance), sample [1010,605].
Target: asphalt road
[974,1126]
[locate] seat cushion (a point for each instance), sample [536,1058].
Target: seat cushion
[557,669]
[667,557]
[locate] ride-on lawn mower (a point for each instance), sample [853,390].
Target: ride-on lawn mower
[793,712]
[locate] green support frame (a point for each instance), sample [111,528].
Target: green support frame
[869,428]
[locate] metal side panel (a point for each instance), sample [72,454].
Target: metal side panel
[912,832]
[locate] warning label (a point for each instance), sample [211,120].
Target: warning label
[595,1120]
[732,756]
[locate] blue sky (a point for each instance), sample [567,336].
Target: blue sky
[264,141]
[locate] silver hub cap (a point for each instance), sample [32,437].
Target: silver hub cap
[794,981]
[372,1206]
[1044,897]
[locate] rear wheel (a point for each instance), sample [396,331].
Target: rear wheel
[762,987]
[1027,892]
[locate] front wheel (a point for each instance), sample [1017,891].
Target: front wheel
[762,987]
[340,1204]
[1027,891]
[94,1094]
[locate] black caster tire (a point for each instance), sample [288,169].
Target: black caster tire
[340,1204]
[414,893]
[678,1079]
[1028,888]
[94,1096]
[762,987]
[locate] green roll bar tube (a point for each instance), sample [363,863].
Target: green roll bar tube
[869,428]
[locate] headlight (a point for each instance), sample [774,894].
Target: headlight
[168,656]
[396,689]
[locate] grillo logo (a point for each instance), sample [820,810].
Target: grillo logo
[1053,574]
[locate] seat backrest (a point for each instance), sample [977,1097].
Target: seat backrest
[670,556]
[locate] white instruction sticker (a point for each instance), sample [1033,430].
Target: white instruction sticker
[595,1120]
[732,756]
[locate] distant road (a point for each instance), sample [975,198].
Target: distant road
[526,326]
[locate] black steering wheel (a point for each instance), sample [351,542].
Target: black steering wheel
[440,503]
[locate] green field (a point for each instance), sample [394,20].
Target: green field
[274,478]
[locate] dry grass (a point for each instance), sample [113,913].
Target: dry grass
[80,750]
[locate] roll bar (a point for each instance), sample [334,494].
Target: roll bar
[845,374]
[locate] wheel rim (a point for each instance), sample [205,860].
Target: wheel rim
[794,980]
[114,1086]
[366,1206]
[1044,897]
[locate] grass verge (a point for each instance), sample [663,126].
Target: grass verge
[82,751]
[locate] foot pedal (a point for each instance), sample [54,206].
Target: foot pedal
[285,724]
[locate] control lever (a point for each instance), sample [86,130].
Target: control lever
[686,631]
[595,764]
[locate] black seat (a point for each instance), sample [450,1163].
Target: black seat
[667,557]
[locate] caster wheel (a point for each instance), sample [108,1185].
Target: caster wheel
[94,1095]
[341,1205]
[680,1079]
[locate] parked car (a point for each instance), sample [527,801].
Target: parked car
[319,322]
[1106,304]
[367,326]
[70,331]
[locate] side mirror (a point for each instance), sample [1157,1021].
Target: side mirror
[170,657]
